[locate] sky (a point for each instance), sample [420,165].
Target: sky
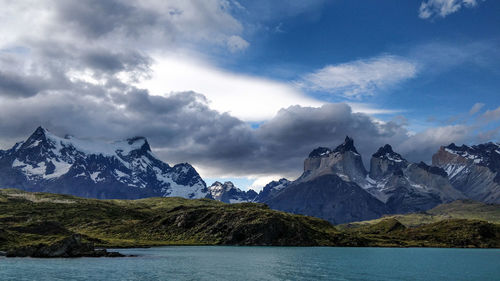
[244,90]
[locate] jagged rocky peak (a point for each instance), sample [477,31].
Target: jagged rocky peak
[386,162]
[344,161]
[487,154]
[474,170]
[386,152]
[348,145]
[37,138]
[142,141]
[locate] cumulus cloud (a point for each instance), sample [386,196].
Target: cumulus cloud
[236,43]
[476,108]
[421,146]
[361,77]
[442,8]
[491,115]
[247,97]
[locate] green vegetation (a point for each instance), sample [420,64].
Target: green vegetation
[30,218]
[460,209]
[34,219]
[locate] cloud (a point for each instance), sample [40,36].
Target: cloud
[181,127]
[491,115]
[360,78]
[476,108]
[421,146]
[246,97]
[121,25]
[236,43]
[82,67]
[442,8]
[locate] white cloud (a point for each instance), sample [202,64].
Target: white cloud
[442,8]
[121,24]
[361,77]
[476,108]
[236,43]
[491,115]
[246,97]
[425,143]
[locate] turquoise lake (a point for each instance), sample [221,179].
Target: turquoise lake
[265,263]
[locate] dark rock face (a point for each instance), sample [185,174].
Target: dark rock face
[474,170]
[228,193]
[407,187]
[348,145]
[433,170]
[404,200]
[125,169]
[70,247]
[330,198]
[385,162]
[343,161]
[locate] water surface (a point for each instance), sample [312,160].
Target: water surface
[265,263]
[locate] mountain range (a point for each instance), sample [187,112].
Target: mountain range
[123,169]
[335,185]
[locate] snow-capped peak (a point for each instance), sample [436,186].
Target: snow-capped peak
[46,159]
[386,152]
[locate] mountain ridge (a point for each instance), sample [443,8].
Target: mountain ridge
[120,169]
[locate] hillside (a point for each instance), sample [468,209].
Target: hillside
[30,218]
[460,209]
[31,221]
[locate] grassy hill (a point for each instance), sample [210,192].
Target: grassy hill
[42,219]
[460,209]
[27,218]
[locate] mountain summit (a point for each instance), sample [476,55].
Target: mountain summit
[120,169]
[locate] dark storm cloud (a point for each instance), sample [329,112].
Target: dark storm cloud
[182,128]
[15,85]
[115,62]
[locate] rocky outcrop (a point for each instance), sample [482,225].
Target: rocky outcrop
[473,170]
[70,247]
[408,187]
[343,161]
[386,162]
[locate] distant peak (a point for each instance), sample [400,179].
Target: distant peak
[40,131]
[386,152]
[348,145]
[37,137]
[136,140]
[385,149]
